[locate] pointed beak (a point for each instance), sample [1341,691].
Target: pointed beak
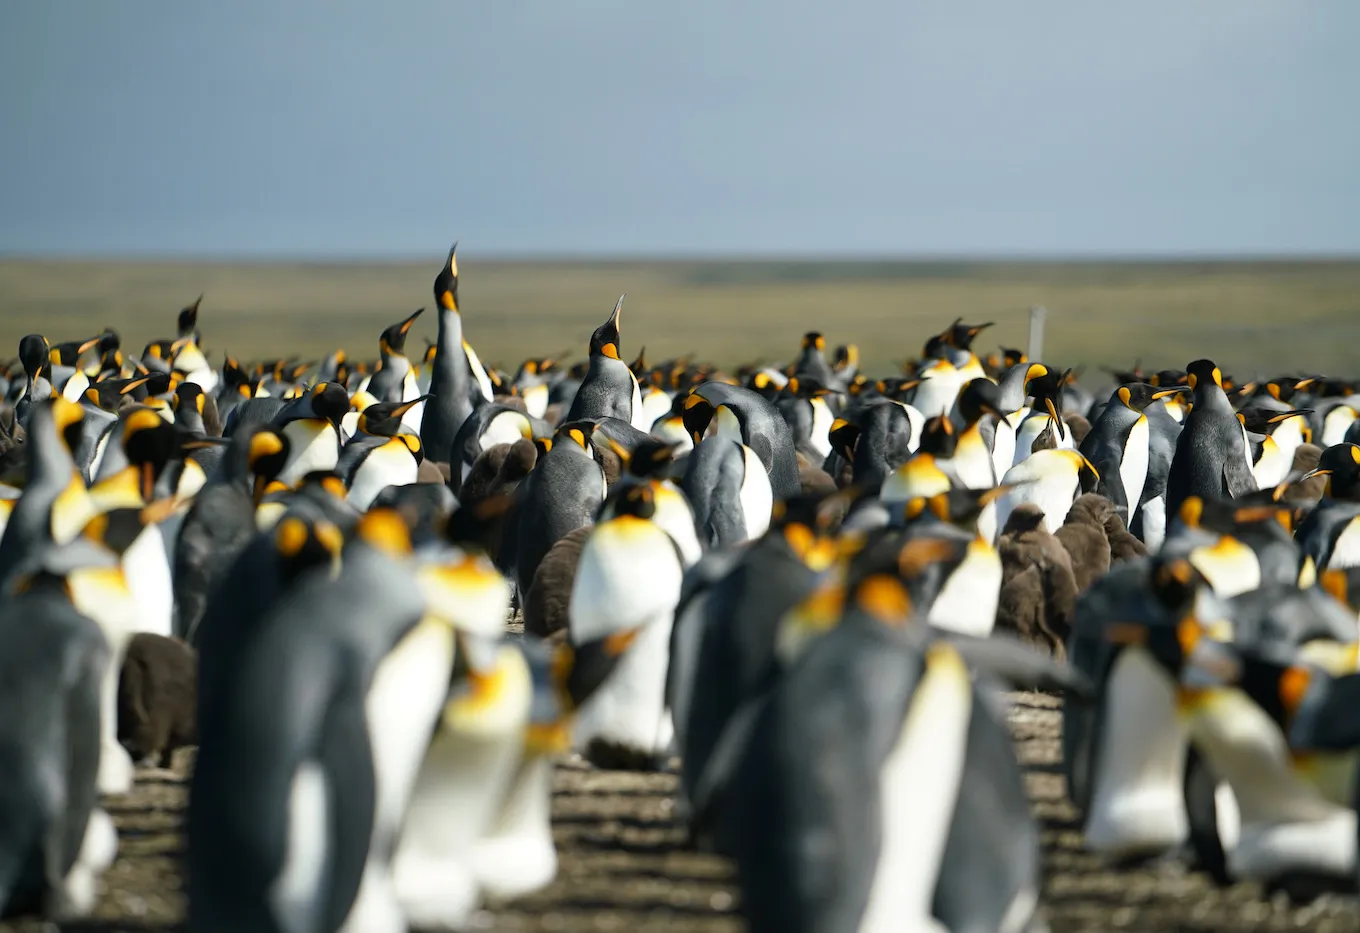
[618,311]
[1311,473]
[406,324]
[1174,390]
[405,407]
[1052,409]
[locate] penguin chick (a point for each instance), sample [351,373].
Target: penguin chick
[545,607]
[157,696]
[812,479]
[1123,544]
[1306,457]
[1020,608]
[1083,537]
[1025,542]
[477,484]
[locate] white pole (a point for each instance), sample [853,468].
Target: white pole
[1035,352]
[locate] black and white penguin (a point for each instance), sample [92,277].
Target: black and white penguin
[751,420]
[627,586]
[1212,456]
[1118,445]
[563,492]
[454,393]
[395,380]
[311,422]
[55,504]
[221,522]
[55,841]
[728,489]
[901,794]
[609,388]
[1051,479]
[302,839]
[383,452]
[1329,538]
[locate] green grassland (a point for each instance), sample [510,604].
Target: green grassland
[1251,317]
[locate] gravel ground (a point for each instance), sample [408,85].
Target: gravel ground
[623,866]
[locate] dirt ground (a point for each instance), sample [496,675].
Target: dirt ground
[623,865]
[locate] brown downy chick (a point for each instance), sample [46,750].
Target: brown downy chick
[545,606]
[1306,457]
[157,697]
[1025,543]
[1083,537]
[1079,427]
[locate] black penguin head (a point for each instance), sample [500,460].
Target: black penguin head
[637,500]
[187,322]
[69,419]
[939,438]
[576,433]
[957,506]
[330,401]
[977,398]
[1341,465]
[814,341]
[446,282]
[33,354]
[1284,388]
[1012,357]
[1137,396]
[605,340]
[651,457]
[1203,373]
[696,412]
[302,543]
[149,441]
[393,339]
[843,437]
[266,455]
[383,419]
[70,352]
[189,397]
[109,394]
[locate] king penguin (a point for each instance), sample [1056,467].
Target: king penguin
[1330,536]
[383,452]
[296,841]
[609,389]
[395,380]
[752,420]
[1212,457]
[311,422]
[55,504]
[627,586]
[1118,446]
[54,839]
[453,393]
[562,493]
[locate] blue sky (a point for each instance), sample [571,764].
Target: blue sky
[325,127]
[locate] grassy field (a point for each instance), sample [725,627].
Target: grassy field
[1250,317]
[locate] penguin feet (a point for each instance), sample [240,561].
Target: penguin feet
[614,756]
[435,893]
[98,849]
[115,769]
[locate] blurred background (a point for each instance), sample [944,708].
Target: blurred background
[1171,180]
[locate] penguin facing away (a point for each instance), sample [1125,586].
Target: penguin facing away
[1212,457]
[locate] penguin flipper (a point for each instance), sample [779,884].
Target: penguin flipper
[347,759]
[1238,480]
[1017,664]
[724,760]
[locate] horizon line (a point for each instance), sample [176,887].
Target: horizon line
[548,257]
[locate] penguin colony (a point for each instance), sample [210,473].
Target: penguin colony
[809,587]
